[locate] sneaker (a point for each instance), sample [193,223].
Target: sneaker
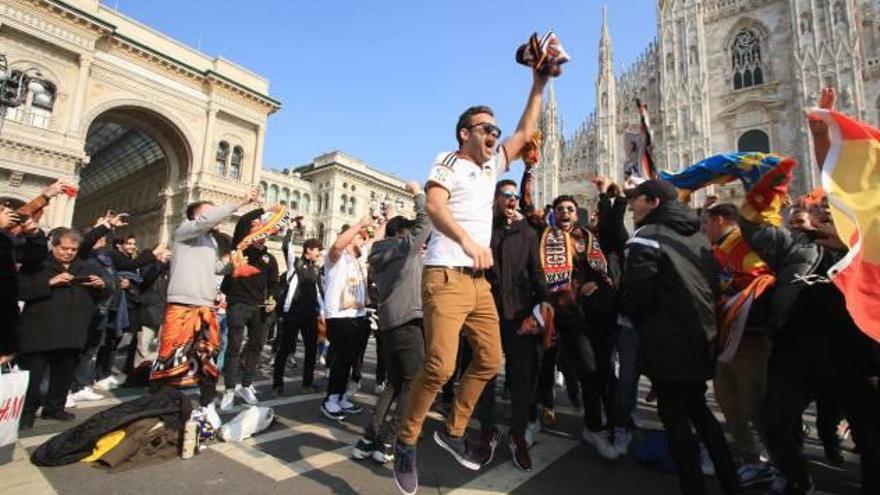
[247,394]
[531,432]
[352,388]
[380,387]
[520,452]
[384,453]
[210,413]
[228,400]
[349,407]
[70,403]
[108,383]
[622,439]
[86,394]
[754,474]
[485,449]
[458,447]
[599,439]
[292,361]
[560,379]
[58,416]
[706,464]
[331,409]
[364,448]
[548,416]
[406,473]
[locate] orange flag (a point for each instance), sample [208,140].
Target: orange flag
[851,179]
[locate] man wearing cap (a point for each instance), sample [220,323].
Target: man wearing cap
[457,297]
[670,286]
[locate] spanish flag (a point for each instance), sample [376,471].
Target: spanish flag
[851,179]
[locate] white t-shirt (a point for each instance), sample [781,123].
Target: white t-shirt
[471,194]
[345,287]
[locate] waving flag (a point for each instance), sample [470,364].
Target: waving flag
[640,163]
[748,167]
[851,179]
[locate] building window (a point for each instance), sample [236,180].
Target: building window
[235,163]
[343,203]
[285,197]
[321,233]
[326,202]
[306,203]
[222,156]
[294,202]
[320,204]
[272,197]
[352,206]
[263,189]
[754,140]
[36,108]
[746,60]
[806,23]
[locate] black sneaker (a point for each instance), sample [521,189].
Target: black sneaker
[458,447]
[332,410]
[350,407]
[484,452]
[384,453]
[364,448]
[58,416]
[406,473]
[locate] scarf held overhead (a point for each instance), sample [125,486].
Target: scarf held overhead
[275,223]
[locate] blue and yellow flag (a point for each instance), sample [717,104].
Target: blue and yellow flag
[748,167]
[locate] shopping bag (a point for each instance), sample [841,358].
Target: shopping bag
[247,423]
[13,386]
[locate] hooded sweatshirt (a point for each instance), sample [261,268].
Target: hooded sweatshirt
[669,287]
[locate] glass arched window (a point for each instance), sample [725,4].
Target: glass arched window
[285,197]
[306,203]
[352,206]
[220,160]
[321,232]
[747,64]
[754,140]
[294,201]
[40,114]
[235,163]
[272,197]
[343,203]
[320,203]
[264,189]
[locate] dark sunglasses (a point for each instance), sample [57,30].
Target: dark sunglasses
[510,195]
[570,209]
[488,128]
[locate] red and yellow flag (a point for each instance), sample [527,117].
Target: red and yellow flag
[851,179]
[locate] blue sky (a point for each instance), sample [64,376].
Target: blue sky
[385,80]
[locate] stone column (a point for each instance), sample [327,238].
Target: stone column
[208,148]
[79,96]
[258,154]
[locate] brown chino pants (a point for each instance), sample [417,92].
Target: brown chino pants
[453,302]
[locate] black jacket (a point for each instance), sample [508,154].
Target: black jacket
[35,251]
[669,287]
[253,290]
[154,291]
[57,317]
[517,279]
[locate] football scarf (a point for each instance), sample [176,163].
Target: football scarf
[557,258]
[241,267]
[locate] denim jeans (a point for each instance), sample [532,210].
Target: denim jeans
[628,376]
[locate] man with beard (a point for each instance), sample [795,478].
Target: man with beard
[345,297]
[457,298]
[190,339]
[670,286]
[582,292]
[521,297]
[246,297]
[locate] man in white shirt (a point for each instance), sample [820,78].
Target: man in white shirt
[456,295]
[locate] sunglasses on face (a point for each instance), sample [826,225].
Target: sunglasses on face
[488,128]
[562,209]
[509,195]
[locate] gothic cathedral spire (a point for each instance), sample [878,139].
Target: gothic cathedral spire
[607,142]
[546,185]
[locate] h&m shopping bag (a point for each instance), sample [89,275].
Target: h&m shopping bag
[13,386]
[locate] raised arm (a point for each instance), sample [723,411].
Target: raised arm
[243,226]
[190,229]
[528,122]
[422,226]
[526,203]
[346,238]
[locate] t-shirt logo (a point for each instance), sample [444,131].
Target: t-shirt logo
[441,175]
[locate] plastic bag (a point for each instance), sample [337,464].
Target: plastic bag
[247,423]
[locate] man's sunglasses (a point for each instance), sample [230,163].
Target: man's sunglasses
[488,128]
[570,209]
[510,195]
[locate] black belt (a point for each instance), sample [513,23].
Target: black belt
[464,270]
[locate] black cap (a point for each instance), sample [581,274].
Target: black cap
[654,189]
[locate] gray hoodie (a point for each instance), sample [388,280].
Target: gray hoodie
[194,262]
[396,269]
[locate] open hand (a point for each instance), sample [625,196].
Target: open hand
[413,187]
[481,255]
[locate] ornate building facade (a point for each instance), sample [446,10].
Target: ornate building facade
[721,75]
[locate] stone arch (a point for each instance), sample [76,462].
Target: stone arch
[753,140]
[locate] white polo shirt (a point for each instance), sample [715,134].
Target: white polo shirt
[471,194]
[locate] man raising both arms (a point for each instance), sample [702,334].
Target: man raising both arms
[456,296]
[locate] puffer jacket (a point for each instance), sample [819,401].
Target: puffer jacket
[670,286]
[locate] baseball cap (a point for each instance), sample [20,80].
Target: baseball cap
[654,188]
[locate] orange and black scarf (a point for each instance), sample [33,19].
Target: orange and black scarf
[188,344]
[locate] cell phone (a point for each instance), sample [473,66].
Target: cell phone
[22,217]
[81,280]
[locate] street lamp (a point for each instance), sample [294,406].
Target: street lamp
[14,87]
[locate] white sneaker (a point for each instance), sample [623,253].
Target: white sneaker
[228,400]
[247,394]
[380,387]
[108,383]
[349,407]
[353,387]
[622,439]
[331,408]
[211,415]
[599,439]
[532,429]
[119,380]
[560,380]
[70,403]
[86,394]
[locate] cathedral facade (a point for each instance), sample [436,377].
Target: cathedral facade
[720,76]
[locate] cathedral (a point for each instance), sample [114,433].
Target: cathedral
[720,76]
